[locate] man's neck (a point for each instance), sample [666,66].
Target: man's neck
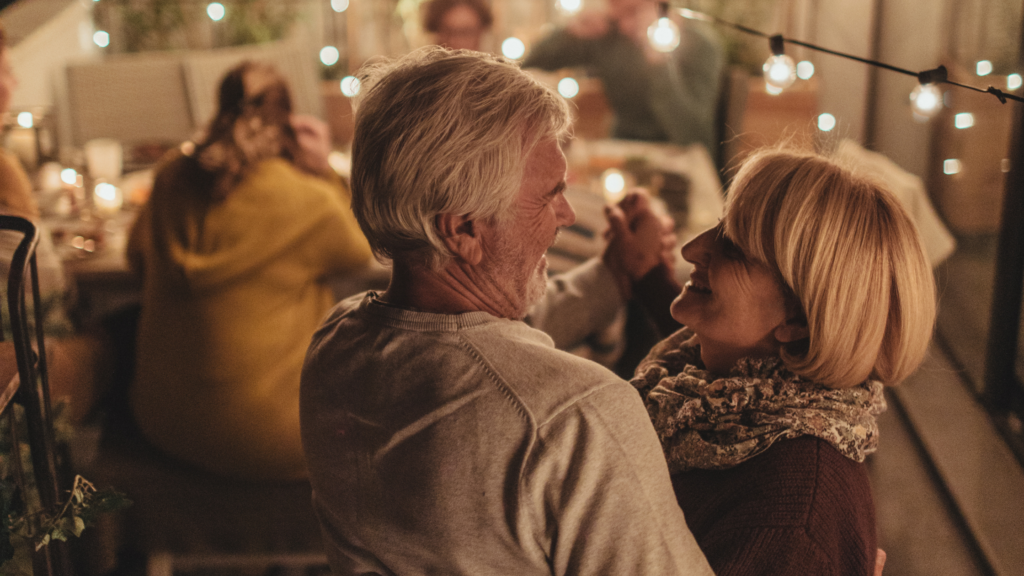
[454,289]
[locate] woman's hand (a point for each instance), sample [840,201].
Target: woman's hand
[314,141]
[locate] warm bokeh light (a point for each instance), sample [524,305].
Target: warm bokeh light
[339,5]
[614,183]
[926,100]
[101,38]
[804,69]
[513,48]
[329,55]
[963,120]
[215,10]
[1014,81]
[663,35]
[779,71]
[69,176]
[350,86]
[826,122]
[570,6]
[568,87]
[773,90]
[983,68]
[951,166]
[25,119]
[107,197]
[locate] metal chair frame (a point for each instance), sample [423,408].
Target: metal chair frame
[30,388]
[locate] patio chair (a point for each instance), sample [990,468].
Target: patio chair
[29,389]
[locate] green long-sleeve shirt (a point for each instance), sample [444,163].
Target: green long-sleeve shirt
[669,101]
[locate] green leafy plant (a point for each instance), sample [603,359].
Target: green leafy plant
[25,525]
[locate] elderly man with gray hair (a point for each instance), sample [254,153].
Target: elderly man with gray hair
[443,434]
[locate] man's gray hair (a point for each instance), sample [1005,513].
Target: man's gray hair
[443,131]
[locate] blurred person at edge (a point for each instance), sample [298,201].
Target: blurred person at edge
[457,24]
[444,435]
[234,248]
[811,295]
[656,97]
[76,361]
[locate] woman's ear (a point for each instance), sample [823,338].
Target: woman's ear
[460,235]
[791,330]
[794,327]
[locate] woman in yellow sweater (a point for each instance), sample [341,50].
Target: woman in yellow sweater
[234,247]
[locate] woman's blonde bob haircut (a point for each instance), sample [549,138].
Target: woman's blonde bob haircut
[443,131]
[849,253]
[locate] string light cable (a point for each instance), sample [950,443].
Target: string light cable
[776,42]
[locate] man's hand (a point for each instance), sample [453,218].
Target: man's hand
[314,141]
[638,240]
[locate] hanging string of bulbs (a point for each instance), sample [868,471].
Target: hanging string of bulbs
[780,71]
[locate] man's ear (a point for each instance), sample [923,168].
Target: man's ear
[461,235]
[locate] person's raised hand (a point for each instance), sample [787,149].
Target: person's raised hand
[314,139]
[639,239]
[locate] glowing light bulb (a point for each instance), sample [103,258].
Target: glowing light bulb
[951,166]
[963,120]
[568,87]
[215,10]
[569,6]
[25,119]
[329,55]
[101,38]
[663,35]
[826,122]
[350,86]
[614,183]
[513,48]
[779,71]
[805,69]
[1014,81]
[926,100]
[69,176]
[983,68]
[339,5]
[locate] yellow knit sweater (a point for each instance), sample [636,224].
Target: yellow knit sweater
[232,294]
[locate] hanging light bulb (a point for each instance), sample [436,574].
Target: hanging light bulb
[568,87]
[663,34]
[329,55]
[804,70]
[513,48]
[101,38]
[350,86]
[926,100]
[569,6]
[779,70]
[1014,81]
[215,10]
[983,67]
[826,122]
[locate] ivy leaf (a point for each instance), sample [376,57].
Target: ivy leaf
[79,526]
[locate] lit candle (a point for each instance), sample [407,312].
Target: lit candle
[107,198]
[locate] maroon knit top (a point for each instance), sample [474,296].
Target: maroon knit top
[799,508]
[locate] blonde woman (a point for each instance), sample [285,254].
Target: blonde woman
[234,246]
[811,295]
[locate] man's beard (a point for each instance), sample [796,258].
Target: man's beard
[521,289]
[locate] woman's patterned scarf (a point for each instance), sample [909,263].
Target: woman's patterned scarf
[712,424]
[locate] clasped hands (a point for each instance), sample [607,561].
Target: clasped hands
[639,240]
